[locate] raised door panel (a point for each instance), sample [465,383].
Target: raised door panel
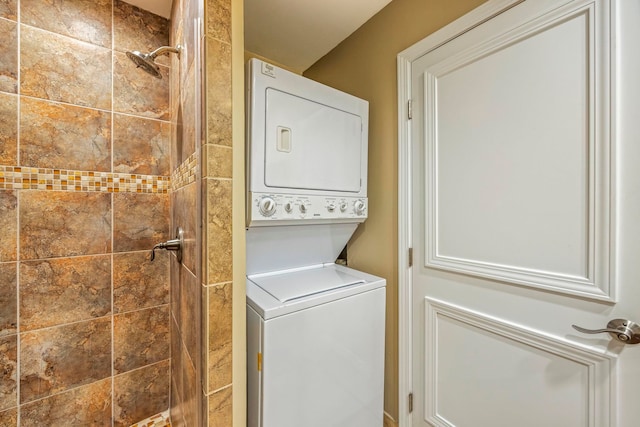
[518,155]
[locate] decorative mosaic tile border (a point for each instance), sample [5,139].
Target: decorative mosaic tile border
[158,420]
[185,173]
[26,178]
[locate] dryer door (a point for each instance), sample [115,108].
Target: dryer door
[311,146]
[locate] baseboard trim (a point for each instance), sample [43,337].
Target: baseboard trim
[389,421]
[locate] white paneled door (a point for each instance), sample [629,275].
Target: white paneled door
[523,212]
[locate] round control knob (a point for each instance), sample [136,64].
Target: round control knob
[358,207]
[303,208]
[288,207]
[331,207]
[267,206]
[343,206]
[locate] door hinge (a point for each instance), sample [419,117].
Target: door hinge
[409,109]
[410,257]
[259,362]
[410,402]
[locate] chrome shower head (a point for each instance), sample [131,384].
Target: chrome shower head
[146,60]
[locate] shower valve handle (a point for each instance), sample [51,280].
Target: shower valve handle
[171,245]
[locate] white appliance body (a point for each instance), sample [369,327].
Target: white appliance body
[316,348]
[315,330]
[307,151]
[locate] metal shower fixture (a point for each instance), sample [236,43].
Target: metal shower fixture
[146,60]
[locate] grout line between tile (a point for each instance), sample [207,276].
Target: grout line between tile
[102,110]
[18,203]
[113,316]
[66,36]
[75,322]
[219,389]
[116,375]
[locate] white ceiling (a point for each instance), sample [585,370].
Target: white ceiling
[295,33]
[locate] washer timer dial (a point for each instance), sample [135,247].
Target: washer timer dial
[267,206]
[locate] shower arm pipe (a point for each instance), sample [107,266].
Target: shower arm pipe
[165,49]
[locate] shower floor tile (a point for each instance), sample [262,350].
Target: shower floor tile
[158,420]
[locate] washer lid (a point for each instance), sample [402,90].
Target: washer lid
[292,285]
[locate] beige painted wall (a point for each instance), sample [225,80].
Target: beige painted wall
[365,66]
[248,55]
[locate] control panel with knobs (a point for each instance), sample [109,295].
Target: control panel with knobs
[275,209]
[267,206]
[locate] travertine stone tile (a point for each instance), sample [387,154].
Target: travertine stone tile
[8,56]
[64,290]
[8,225]
[140,221]
[61,136]
[219,254]
[138,282]
[190,314]
[9,9]
[141,393]
[57,223]
[177,418]
[140,146]
[58,359]
[8,299]
[61,17]
[138,29]
[176,360]
[188,120]
[8,129]
[190,13]
[219,19]
[220,335]
[175,270]
[89,405]
[218,93]
[176,136]
[185,216]
[9,418]
[175,107]
[220,408]
[140,338]
[136,92]
[218,161]
[192,391]
[8,372]
[60,68]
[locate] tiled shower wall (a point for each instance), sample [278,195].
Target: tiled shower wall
[217,280]
[201,204]
[186,297]
[84,165]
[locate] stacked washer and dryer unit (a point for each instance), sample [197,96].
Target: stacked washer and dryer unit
[315,330]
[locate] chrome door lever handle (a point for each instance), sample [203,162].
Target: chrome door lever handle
[171,245]
[623,330]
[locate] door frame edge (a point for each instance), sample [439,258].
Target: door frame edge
[404,61]
[405,384]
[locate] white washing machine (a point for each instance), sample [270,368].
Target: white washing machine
[315,330]
[316,348]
